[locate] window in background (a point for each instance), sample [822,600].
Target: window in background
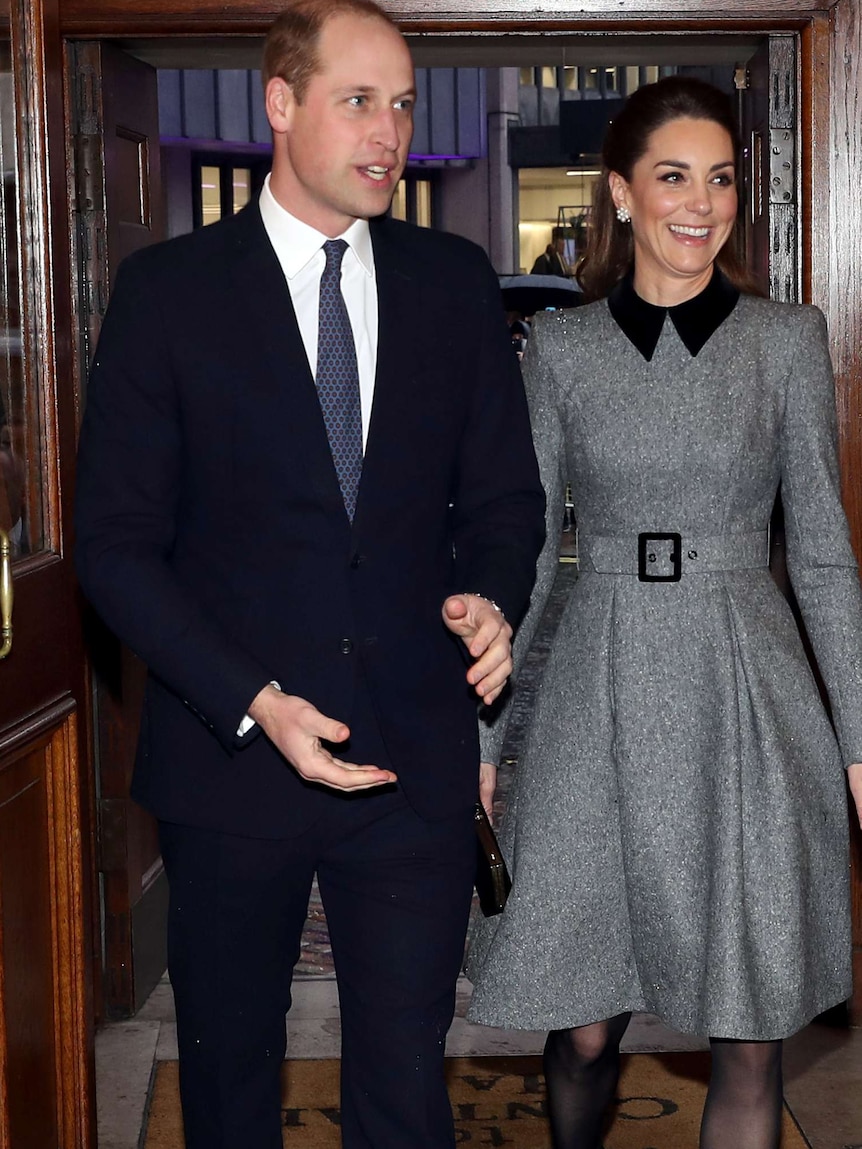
[423,203]
[570,78]
[210,193]
[553,199]
[398,210]
[413,201]
[224,184]
[241,188]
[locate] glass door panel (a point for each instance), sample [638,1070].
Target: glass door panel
[20,435]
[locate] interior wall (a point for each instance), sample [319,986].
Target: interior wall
[461,196]
[177,189]
[481,202]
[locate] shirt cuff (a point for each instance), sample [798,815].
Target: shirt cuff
[248,723]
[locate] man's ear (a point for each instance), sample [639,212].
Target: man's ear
[279,103]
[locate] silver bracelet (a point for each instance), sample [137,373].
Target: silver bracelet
[485,598]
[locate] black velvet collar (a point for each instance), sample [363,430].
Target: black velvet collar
[695,321]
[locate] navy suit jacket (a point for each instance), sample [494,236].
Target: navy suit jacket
[212,537]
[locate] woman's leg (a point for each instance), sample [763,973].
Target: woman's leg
[743,1105]
[581,1070]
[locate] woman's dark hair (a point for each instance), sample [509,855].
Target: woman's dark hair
[610,247]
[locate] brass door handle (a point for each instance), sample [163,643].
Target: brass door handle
[6,595]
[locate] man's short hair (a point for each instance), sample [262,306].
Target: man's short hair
[290,50]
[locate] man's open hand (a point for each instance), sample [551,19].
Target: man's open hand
[297,729]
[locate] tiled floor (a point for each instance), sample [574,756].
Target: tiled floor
[823,1065]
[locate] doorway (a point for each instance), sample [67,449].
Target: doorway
[135,187]
[135,863]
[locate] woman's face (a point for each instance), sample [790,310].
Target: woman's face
[682,200]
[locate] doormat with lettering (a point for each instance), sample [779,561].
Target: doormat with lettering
[497,1101]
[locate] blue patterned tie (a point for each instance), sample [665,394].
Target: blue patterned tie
[338,378]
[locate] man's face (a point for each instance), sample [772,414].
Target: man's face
[340,153]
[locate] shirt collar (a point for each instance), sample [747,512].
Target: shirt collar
[696,320]
[296,243]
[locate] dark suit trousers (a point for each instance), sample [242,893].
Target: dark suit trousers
[396,891]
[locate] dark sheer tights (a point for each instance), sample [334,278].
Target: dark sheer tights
[743,1105]
[581,1070]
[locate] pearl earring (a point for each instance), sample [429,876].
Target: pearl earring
[623,214]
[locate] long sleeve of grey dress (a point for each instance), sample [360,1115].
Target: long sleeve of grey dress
[677,828]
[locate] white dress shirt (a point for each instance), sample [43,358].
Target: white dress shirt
[300,252]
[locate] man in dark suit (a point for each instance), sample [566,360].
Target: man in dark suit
[316,640]
[552,261]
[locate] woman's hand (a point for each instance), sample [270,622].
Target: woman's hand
[487,785]
[488,637]
[854,781]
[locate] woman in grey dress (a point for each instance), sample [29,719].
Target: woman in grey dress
[677,828]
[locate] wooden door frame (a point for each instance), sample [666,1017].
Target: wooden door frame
[830,67]
[50,724]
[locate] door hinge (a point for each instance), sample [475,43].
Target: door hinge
[88,105]
[90,212]
[782,183]
[89,173]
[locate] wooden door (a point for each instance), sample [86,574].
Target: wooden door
[46,1077]
[117,209]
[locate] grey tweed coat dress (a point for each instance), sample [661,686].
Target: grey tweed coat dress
[677,827]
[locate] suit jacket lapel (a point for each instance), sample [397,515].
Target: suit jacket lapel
[398,307]
[264,305]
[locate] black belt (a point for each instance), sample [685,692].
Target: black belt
[663,556]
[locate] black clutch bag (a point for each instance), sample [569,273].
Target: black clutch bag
[492,878]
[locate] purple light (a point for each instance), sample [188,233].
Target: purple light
[418,157]
[230,148]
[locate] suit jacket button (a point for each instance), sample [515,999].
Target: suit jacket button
[346,646]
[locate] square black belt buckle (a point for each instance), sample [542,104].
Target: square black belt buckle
[645,556]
